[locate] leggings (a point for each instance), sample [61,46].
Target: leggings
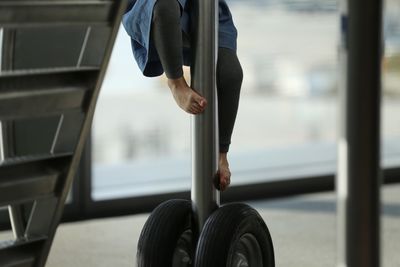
[169,39]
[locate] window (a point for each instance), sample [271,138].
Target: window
[287,121]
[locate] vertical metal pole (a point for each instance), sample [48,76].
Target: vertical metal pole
[205,148]
[1,49]
[1,69]
[359,175]
[2,156]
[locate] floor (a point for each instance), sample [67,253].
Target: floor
[303,229]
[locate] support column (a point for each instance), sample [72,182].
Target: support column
[359,174]
[205,143]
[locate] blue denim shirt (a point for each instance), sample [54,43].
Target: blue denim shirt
[137,23]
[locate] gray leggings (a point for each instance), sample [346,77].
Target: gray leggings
[169,39]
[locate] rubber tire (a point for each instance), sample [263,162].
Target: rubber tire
[222,232]
[161,232]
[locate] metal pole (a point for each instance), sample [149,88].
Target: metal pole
[205,143]
[359,174]
[16,219]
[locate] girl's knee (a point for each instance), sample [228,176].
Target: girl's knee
[234,73]
[238,73]
[229,67]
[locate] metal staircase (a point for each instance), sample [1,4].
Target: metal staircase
[54,55]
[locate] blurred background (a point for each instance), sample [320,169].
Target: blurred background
[288,116]
[139,152]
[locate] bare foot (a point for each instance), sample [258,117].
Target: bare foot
[186,98]
[223,172]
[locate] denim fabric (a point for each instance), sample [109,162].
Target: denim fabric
[137,23]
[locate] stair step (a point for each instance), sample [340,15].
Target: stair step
[34,13]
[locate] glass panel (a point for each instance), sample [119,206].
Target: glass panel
[287,121]
[5,225]
[37,48]
[390,232]
[29,136]
[42,136]
[21,213]
[391,84]
[52,47]
[286,125]
[141,138]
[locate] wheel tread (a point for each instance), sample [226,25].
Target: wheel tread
[160,233]
[223,227]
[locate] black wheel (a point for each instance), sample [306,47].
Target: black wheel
[235,235]
[166,238]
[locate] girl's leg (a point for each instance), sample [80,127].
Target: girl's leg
[229,82]
[167,36]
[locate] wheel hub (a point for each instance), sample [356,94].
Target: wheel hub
[183,252]
[247,252]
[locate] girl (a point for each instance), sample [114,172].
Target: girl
[160,39]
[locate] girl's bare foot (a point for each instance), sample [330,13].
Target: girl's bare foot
[186,98]
[223,172]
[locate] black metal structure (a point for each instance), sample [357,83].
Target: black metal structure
[360,175]
[54,57]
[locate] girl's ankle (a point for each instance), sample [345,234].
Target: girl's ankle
[176,83]
[223,158]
